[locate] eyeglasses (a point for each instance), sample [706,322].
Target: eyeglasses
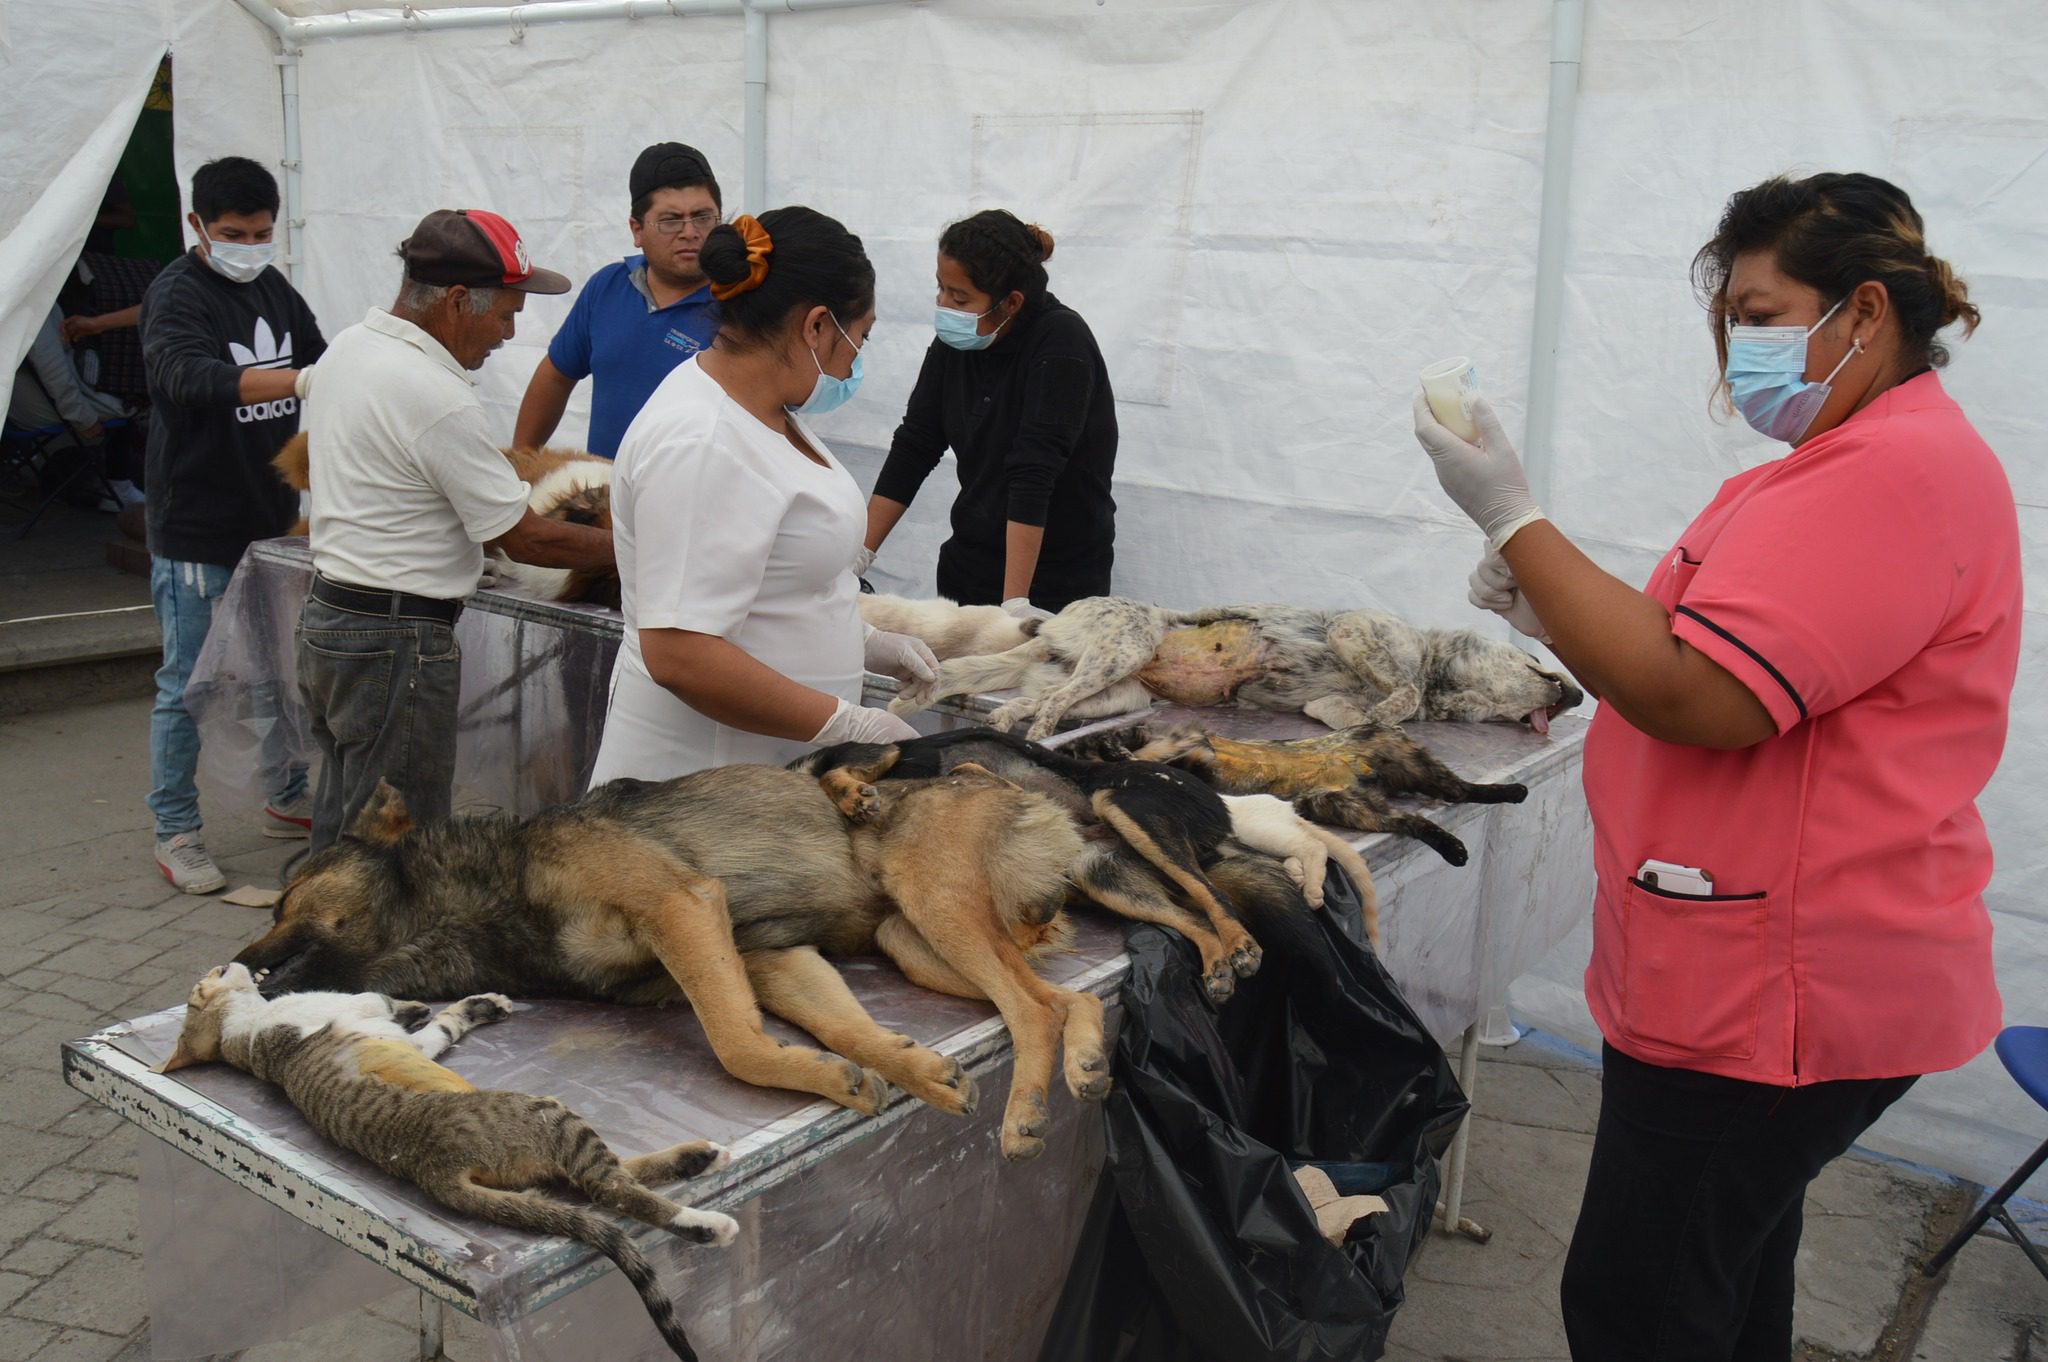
[703,220]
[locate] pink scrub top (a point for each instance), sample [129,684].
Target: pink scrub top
[1866,588]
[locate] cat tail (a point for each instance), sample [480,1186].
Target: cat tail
[539,1215]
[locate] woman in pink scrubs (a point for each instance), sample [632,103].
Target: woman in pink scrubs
[1801,706]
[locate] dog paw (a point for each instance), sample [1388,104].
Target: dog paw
[1220,983]
[705,1227]
[940,1082]
[864,1090]
[1088,1076]
[1024,1128]
[1245,960]
[481,1008]
[412,1016]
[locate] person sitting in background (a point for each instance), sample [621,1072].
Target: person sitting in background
[222,334]
[637,319]
[48,391]
[1015,386]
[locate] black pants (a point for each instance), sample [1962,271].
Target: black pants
[982,583]
[1694,1207]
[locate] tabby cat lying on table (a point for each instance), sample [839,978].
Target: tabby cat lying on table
[349,1064]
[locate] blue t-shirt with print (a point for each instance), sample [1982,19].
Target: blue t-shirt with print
[615,332]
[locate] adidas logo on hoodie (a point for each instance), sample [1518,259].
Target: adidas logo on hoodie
[264,351]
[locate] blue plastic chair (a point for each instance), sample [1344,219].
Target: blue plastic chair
[2024,1052]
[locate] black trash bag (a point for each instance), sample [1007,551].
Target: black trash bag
[1199,1246]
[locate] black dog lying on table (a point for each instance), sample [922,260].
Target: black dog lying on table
[1146,825]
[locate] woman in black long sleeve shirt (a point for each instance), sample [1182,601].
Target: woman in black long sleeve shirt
[1015,385]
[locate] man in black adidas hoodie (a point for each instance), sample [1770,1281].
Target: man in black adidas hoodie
[223,338]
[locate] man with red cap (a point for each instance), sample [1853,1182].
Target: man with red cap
[407,489]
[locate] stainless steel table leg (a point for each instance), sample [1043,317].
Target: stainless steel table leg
[430,1329]
[1453,1204]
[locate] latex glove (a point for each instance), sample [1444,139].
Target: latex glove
[1492,587]
[863,560]
[900,656]
[1021,608]
[851,723]
[1486,479]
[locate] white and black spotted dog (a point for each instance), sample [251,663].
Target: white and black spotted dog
[1106,655]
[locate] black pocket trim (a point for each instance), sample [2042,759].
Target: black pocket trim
[1692,898]
[1755,656]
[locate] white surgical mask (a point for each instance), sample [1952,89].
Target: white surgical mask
[238,260]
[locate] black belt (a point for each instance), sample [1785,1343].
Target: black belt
[393,605]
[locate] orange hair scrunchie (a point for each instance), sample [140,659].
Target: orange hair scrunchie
[759,245]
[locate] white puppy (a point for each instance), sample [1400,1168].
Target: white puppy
[948,629]
[1268,823]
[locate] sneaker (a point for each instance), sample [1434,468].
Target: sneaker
[184,861]
[291,818]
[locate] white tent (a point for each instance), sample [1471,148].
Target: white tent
[1271,212]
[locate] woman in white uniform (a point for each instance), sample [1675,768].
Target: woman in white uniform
[736,528]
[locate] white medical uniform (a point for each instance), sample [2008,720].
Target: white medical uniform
[723,528]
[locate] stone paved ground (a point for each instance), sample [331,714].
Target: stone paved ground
[89,932]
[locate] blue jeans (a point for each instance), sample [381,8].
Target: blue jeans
[184,595]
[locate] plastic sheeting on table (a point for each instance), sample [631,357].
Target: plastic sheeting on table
[830,1187]
[1201,1246]
[975,1247]
[536,680]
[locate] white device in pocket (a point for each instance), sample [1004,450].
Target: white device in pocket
[1685,881]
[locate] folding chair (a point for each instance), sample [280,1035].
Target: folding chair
[2024,1052]
[25,452]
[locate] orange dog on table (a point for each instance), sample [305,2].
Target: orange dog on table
[567,484]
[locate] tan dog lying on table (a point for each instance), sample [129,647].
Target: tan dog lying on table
[1106,655]
[567,484]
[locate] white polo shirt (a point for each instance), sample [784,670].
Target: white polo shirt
[406,481]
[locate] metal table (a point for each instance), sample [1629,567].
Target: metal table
[896,1234]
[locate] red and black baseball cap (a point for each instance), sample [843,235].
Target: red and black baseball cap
[474,248]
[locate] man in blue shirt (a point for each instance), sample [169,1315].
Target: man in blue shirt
[638,319]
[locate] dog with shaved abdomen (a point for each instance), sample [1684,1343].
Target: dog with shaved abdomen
[564,484]
[1106,656]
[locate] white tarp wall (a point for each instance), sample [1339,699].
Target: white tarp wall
[72,80]
[1272,214]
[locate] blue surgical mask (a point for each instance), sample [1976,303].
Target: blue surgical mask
[956,328]
[829,393]
[1767,377]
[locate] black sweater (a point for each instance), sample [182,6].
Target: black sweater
[1032,422]
[208,482]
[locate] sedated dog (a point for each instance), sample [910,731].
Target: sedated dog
[1342,778]
[1106,655]
[1151,830]
[567,484]
[726,887]
[969,927]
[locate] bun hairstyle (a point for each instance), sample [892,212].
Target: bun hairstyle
[788,260]
[1001,253]
[1832,232]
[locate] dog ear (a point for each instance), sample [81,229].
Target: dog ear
[384,818]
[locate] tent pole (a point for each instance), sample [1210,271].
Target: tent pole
[1567,46]
[754,128]
[294,194]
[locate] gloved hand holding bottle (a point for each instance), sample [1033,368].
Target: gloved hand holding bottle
[1485,479]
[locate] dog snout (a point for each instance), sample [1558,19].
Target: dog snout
[1569,696]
